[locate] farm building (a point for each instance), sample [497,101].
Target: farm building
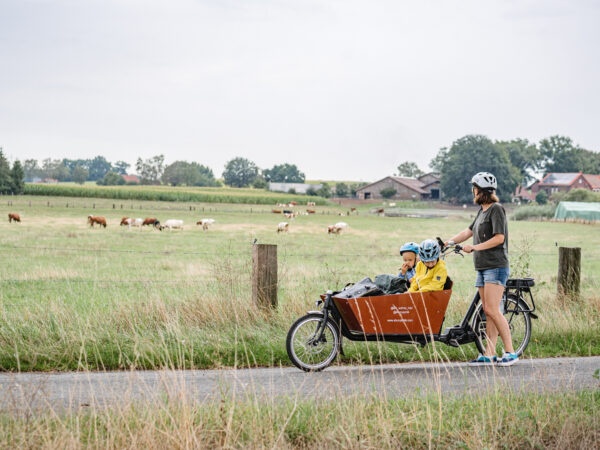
[426,187]
[131,179]
[564,182]
[558,182]
[578,211]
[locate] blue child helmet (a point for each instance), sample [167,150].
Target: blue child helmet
[410,247]
[429,250]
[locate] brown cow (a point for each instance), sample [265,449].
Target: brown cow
[151,221]
[14,216]
[101,221]
[332,229]
[126,221]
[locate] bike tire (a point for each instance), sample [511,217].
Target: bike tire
[304,351]
[516,312]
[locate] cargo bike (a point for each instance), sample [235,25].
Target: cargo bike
[360,312]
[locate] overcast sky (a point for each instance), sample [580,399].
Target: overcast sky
[346,90]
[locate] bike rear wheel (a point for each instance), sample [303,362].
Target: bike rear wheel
[517,315]
[306,349]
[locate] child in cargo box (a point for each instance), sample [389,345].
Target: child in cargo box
[409,253]
[430,272]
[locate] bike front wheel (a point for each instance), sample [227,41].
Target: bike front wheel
[517,315]
[308,348]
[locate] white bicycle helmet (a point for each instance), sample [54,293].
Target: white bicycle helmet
[429,250]
[484,180]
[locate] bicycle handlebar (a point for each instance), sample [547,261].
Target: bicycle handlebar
[451,246]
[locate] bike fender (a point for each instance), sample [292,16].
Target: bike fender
[315,312]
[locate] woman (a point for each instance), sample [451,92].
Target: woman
[490,256]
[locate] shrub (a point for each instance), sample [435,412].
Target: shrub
[534,212]
[541,198]
[388,192]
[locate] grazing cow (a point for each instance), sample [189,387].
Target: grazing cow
[337,228]
[283,227]
[310,211]
[311,204]
[101,221]
[14,217]
[130,222]
[172,224]
[205,223]
[151,221]
[276,211]
[332,229]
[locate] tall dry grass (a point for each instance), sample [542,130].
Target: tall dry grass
[499,420]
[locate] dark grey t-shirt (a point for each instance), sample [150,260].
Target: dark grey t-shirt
[484,227]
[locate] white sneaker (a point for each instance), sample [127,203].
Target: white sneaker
[508,359]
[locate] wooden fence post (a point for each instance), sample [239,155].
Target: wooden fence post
[569,272]
[264,275]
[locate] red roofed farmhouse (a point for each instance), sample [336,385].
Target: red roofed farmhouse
[564,182]
[422,188]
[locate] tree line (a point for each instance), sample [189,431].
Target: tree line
[513,162]
[239,172]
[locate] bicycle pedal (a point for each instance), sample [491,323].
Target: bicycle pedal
[453,343]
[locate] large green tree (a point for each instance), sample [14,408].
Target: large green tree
[55,168]
[17,175]
[559,154]
[98,167]
[32,169]
[524,156]
[189,174]
[469,155]
[79,174]
[284,173]
[120,167]
[5,175]
[409,169]
[150,170]
[240,172]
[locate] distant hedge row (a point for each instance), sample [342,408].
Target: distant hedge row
[170,194]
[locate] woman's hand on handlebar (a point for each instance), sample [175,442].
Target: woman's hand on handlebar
[467,248]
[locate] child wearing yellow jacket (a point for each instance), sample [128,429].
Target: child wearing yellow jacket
[430,272]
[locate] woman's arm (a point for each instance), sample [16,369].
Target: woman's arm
[461,237]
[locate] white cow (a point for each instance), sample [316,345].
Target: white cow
[205,223]
[172,224]
[283,227]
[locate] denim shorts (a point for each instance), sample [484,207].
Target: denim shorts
[492,276]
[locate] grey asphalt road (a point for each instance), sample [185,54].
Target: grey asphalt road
[27,392]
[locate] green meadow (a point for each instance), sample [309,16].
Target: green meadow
[74,297]
[79,298]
